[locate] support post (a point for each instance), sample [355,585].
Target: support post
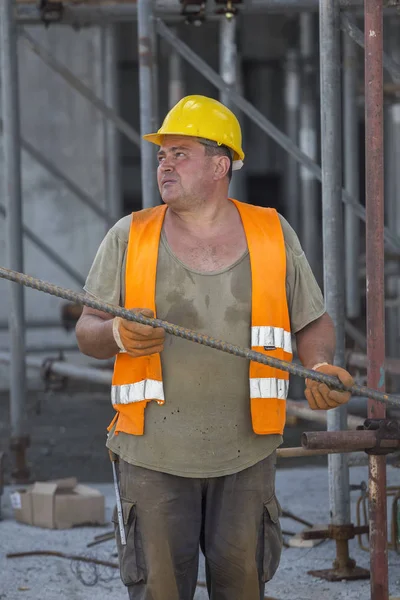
[351,172]
[113,200]
[331,153]
[332,225]
[373,27]
[292,95]
[176,89]
[14,238]
[146,88]
[228,66]
[310,229]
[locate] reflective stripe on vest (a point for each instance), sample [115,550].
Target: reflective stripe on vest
[147,389]
[271,337]
[137,381]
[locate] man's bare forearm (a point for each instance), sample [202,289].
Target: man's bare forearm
[94,334]
[316,342]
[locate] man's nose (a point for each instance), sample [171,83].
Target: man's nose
[166,165]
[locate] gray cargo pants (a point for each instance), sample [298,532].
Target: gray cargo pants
[235,520]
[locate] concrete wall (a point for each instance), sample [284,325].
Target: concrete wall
[69,131]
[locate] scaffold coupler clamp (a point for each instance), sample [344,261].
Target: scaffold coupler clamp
[51,11]
[386,429]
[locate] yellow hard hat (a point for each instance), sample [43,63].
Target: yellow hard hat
[203,117]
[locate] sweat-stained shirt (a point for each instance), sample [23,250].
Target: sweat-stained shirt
[204,428]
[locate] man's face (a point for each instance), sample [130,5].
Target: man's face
[185,173]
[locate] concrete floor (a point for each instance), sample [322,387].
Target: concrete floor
[302,491]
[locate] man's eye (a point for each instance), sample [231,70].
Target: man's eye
[180,154]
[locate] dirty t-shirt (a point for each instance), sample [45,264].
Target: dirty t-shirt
[204,428]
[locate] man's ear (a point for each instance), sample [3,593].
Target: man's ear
[222,166]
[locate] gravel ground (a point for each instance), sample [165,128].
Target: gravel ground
[302,491]
[67,429]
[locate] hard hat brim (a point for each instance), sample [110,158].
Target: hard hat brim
[153,138]
[156,138]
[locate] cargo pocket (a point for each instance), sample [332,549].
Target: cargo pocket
[131,556]
[272,538]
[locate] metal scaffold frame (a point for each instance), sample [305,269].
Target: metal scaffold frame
[332,20]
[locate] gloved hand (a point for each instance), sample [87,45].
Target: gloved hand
[137,339]
[320,396]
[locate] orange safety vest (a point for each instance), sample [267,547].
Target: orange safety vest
[137,381]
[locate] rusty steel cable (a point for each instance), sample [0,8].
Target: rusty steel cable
[193,336]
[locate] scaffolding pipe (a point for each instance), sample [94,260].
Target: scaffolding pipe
[227,58]
[261,121]
[14,237]
[47,348]
[350,27]
[356,459]
[351,173]
[49,252]
[310,228]
[113,195]
[146,101]
[63,369]
[348,441]
[332,226]
[374,201]
[292,95]
[229,69]
[39,324]
[48,58]
[123,11]
[392,365]
[356,335]
[303,411]
[176,88]
[154,41]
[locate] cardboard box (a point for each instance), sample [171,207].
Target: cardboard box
[59,504]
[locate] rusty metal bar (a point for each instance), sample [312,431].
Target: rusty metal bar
[346,441]
[374,202]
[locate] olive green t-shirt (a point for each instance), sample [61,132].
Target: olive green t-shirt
[204,428]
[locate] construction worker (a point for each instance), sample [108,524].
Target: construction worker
[196,430]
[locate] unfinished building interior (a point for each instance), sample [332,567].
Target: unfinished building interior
[316,87]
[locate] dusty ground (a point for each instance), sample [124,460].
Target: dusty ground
[48,578]
[68,433]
